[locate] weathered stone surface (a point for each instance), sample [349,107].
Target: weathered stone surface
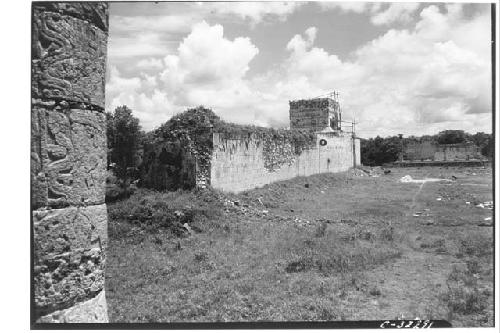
[240,164]
[316,114]
[69,257]
[94,13]
[92,311]
[69,53]
[68,157]
[68,160]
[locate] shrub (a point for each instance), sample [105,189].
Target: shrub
[329,254]
[473,266]
[439,245]
[152,211]
[387,234]
[474,245]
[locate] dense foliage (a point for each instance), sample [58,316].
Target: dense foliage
[485,142]
[379,150]
[451,137]
[124,141]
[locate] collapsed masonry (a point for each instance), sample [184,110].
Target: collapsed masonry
[197,148]
[68,161]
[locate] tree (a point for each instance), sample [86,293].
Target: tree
[124,137]
[485,142]
[451,137]
[379,150]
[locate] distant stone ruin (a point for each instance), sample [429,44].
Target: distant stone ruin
[68,161]
[429,151]
[234,158]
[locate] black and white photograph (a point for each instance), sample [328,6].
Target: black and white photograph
[262,164]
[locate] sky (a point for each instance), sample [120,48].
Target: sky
[410,68]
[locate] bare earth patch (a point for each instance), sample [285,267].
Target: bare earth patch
[326,247]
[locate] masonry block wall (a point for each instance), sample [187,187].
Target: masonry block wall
[316,114]
[457,152]
[68,161]
[238,164]
[417,151]
[450,152]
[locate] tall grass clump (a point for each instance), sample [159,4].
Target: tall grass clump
[152,211]
[463,296]
[333,253]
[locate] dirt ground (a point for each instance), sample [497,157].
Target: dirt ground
[349,246]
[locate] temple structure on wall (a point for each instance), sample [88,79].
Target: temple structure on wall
[317,114]
[197,148]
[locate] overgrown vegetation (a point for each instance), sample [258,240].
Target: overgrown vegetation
[124,136]
[187,138]
[125,139]
[464,296]
[379,150]
[168,212]
[196,125]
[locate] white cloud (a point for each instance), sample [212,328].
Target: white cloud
[207,57]
[298,44]
[346,7]
[396,12]
[150,64]
[117,84]
[147,102]
[256,11]
[146,44]
[380,13]
[150,23]
[209,69]
[145,36]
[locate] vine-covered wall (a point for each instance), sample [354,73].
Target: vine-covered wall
[247,162]
[179,154]
[197,148]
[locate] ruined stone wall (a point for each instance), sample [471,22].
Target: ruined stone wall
[239,164]
[313,114]
[419,151]
[430,151]
[68,161]
[456,152]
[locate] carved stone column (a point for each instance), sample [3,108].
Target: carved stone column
[68,161]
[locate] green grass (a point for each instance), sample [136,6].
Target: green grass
[342,248]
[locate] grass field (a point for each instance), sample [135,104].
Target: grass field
[326,247]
